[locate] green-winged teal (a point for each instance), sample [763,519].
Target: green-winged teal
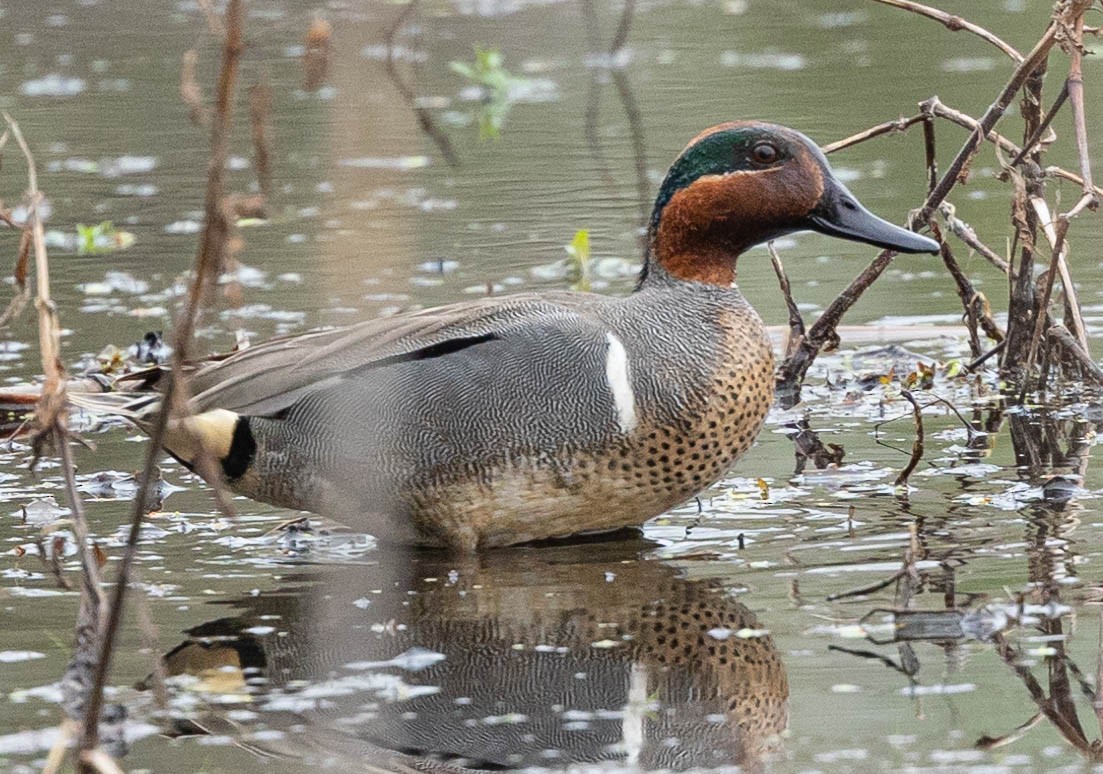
[532,416]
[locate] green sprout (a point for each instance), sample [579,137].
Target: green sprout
[578,260]
[496,83]
[102,238]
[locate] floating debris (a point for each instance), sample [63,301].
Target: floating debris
[53,85]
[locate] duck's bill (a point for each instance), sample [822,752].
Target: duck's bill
[840,214]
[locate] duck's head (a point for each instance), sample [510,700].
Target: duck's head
[743,183]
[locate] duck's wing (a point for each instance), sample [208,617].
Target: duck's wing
[268,377]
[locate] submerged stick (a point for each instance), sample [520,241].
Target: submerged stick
[917,445]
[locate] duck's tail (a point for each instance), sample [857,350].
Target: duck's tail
[217,432]
[137,407]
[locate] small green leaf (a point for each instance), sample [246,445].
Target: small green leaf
[578,259]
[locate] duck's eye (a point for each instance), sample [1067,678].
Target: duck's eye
[764,153]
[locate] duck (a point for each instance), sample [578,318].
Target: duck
[539,415]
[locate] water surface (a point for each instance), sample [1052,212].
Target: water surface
[728,633]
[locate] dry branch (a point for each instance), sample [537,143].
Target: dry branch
[51,417]
[1054,234]
[966,234]
[1075,87]
[1029,70]
[961,119]
[190,91]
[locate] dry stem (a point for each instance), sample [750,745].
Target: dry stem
[1075,87]
[207,264]
[796,322]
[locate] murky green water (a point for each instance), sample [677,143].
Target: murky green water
[714,640]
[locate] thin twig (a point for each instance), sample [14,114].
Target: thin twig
[620,37]
[424,117]
[260,106]
[1028,146]
[888,127]
[190,91]
[965,291]
[1043,306]
[1074,320]
[92,578]
[966,234]
[859,592]
[954,23]
[23,293]
[56,756]
[989,743]
[98,760]
[929,153]
[214,23]
[796,322]
[975,364]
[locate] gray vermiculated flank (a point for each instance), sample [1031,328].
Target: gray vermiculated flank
[529,407]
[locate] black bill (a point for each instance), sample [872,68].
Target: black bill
[839,214]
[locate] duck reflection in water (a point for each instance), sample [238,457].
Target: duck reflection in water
[519,658]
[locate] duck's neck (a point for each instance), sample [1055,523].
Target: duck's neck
[684,255]
[697,233]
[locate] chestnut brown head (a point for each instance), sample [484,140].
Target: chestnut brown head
[743,183]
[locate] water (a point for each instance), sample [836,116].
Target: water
[319,649]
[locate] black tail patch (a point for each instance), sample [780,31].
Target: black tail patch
[243,450]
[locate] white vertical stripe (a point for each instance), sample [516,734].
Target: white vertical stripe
[616,373]
[635,711]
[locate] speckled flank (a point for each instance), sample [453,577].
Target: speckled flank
[663,462]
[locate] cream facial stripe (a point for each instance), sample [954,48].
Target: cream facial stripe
[620,383]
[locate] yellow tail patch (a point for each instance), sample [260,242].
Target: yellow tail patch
[211,432]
